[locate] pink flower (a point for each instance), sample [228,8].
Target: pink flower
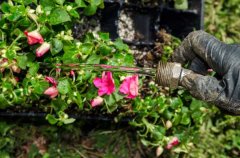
[105,84]
[210,70]
[51,80]
[130,86]
[52,92]
[72,73]
[172,143]
[96,101]
[44,48]
[34,37]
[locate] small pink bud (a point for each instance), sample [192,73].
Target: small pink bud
[16,79]
[52,92]
[51,80]
[172,143]
[72,73]
[44,48]
[97,101]
[16,69]
[210,70]
[58,70]
[34,37]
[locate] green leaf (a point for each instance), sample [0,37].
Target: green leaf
[185,116]
[176,103]
[96,2]
[176,119]
[60,2]
[104,49]
[104,36]
[80,3]
[47,5]
[185,119]
[11,54]
[78,100]
[56,46]
[70,56]
[117,96]
[58,16]
[64,86]
[90,10]
[59,104]
[33,153]
[22,61]
[86,48]
[120,45]
[4,142]
[5,7]
[181,4]
[4,128]
[33,68]
[69,120]
[93,59]
[74,13]
[196,104]
[51,119]
[4,154]
[39,86]
[3,102]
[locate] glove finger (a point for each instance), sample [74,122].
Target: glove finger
[205,88]
[199,66]
[205,46]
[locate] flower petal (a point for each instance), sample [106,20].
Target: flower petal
[34,37]
[130,86]
[97,82]
[51,80]
[105,84]
[52,92]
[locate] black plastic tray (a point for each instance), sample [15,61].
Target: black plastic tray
[149,20]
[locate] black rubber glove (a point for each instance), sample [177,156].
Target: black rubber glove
[203,50]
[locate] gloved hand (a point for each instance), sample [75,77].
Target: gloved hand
[203,50]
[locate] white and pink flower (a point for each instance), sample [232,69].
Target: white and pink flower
[52,92]
[34,37]
[44,48]
[173,142]
[96,101]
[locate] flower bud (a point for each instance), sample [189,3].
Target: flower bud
[97,101]
[173,142]
[39,9]
[168,124]
[52,92]
[34,37]
[159,151]
[44,48]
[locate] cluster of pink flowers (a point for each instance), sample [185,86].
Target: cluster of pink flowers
[106,85]
[35,37]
